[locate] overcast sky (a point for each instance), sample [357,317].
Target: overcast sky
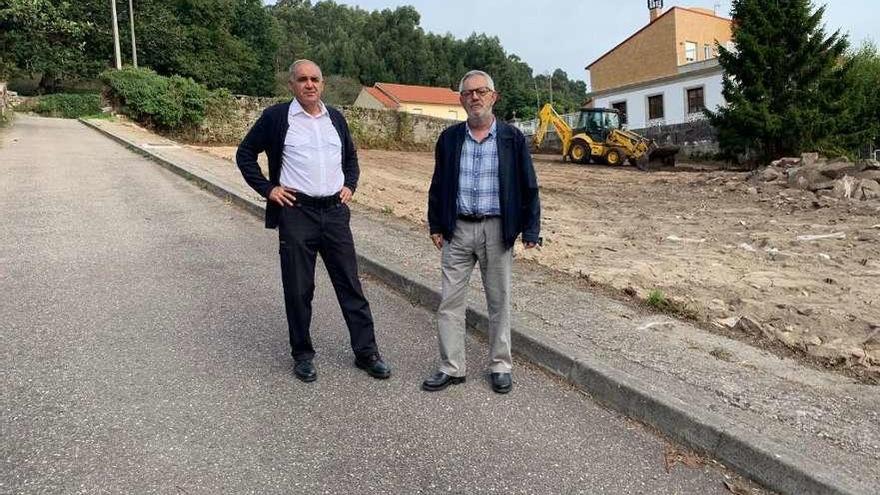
[571,34]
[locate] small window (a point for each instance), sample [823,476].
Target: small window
[453,114]
[620,106]
[417,111]
[690,51]
[655,107]
[696,102]
[707,52]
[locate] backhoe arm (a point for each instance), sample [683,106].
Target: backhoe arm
[548,116]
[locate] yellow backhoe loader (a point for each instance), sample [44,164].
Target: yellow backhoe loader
[598,137]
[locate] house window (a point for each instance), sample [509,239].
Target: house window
[417,111]
[707,52]
[690,51]
[655,107]
[453,114]
[695,100]
[620,106]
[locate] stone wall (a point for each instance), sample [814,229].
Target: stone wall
[697,137]
[384,129]
[5,106]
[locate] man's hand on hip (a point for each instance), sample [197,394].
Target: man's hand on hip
[284,196]
[345,194]
[438,240]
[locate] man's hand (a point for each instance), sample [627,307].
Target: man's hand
[284,196]
[529,245]
[438,240]
[345,194]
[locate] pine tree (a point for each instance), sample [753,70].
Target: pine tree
[779,80]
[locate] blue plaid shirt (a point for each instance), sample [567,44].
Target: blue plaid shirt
[478,177]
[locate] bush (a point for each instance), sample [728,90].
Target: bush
[69,106]
[165,102]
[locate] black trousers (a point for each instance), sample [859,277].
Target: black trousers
[308,230]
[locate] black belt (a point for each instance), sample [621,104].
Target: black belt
[475,218]
[317,201]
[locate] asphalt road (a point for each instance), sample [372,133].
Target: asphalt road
[145,351]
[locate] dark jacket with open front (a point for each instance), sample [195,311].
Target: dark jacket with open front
[518,185]
[267,135]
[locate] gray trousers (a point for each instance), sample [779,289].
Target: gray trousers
[475,241]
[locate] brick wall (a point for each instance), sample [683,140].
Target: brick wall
[658,49]
[648,54]
[700,28]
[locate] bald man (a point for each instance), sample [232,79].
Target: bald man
[313,173]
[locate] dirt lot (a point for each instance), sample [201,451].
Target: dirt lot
[721,249]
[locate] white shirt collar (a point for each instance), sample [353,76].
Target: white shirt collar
[296,108]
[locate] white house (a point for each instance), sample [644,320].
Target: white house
[668,100]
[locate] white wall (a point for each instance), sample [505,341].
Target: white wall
[674,100]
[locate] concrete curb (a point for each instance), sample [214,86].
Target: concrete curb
[756,457]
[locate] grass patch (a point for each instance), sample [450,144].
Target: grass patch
[658,300]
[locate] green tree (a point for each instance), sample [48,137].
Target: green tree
[42,37]
[857,121]
[390,46]
[779,80]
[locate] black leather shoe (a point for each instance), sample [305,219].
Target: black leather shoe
[374,366]
[501,382]
[440,380]
[305,371]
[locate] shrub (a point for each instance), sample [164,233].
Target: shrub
[165,102]
[69,106]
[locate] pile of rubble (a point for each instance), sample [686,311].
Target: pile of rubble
[839,178]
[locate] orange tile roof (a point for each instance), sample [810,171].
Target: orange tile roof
[382,97]
[419,94]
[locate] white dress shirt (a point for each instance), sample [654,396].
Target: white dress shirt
[312,159]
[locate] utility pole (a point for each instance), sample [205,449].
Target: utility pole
[115,35]
[134,53]
[537,98]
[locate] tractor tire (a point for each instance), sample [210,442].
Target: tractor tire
[579,152]
[615,157]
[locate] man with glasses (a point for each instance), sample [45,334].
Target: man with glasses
[483,195]
[313,172]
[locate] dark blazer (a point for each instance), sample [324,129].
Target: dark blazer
[267,135]
[518,185]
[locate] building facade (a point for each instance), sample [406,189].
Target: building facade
[667,72]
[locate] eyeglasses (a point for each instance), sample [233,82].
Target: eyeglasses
[481,92]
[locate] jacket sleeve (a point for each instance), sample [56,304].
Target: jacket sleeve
[531,204]
[255,142]
[350,168]
[434,200]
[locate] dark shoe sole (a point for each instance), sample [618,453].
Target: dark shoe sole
[499,390]
[455,380]
[306,378]
[380,376]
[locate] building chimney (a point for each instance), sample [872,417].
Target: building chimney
[655,7]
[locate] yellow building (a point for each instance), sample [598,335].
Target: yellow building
[677,37]
[667,72]
[420,100]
